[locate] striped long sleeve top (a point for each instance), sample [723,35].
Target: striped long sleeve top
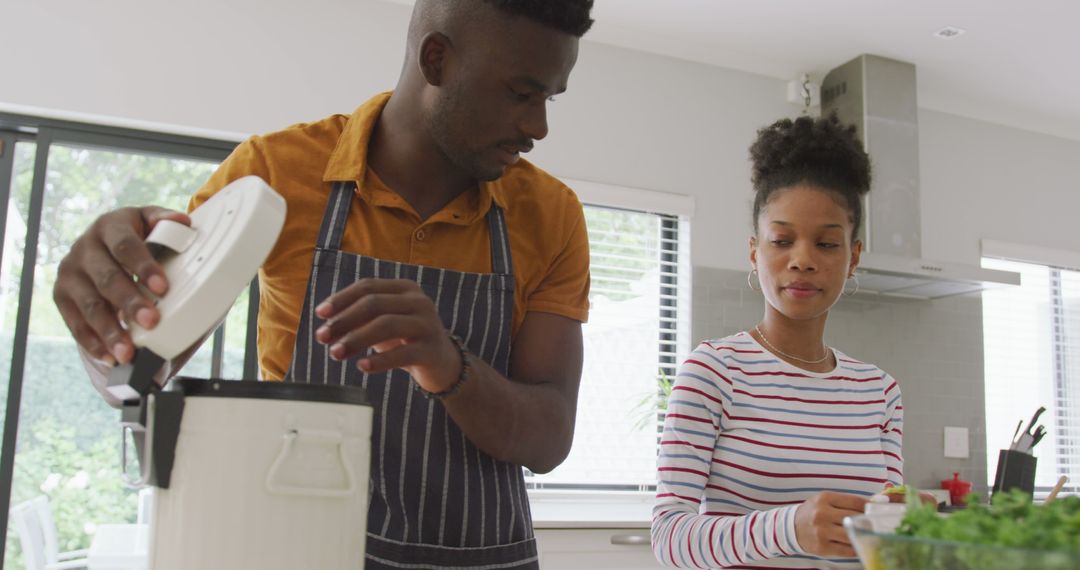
[748,437]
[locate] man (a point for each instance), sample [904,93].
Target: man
[462,267]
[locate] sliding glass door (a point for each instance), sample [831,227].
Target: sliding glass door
[60,440]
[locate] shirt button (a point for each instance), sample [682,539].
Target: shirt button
[420,235]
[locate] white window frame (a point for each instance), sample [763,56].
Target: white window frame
[1056,260]
[622,508]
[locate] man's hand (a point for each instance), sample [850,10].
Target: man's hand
[400,322]
[95,284]
[819,523]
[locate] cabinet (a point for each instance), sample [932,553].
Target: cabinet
[595,549]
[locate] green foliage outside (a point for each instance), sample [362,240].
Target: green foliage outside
[68,445]
[616,240]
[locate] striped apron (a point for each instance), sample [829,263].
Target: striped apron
[436,501]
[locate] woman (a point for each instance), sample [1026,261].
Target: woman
[772,437]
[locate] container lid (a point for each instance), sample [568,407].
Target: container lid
[253,389]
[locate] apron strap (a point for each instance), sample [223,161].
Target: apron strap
[337,212]
[501,260]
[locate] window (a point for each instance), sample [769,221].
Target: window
[638,327]
[59,440]
[1032,358]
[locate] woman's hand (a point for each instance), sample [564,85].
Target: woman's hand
[819,523]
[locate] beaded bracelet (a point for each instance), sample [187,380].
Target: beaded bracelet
[464,352]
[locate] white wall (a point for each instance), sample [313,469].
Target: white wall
[629,118]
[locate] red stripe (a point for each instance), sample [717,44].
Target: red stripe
[665,495]
[775,538]
[893,455]
[690,544]
[769,567]
[684,470]
[712,550]
[696,391]
[761,501]
[797,375]
[800,475]
[731,417]
[709,368]
[733,548]
[895,470]
[806,401]
[671,539]
[687,443]
[890,388]
[691,418]
[753,540]
[801,448]
[732,349]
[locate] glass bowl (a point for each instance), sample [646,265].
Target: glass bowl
[879,551]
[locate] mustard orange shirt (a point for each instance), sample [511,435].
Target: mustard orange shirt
[544,218]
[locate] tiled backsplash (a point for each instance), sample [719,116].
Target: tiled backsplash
[933,348]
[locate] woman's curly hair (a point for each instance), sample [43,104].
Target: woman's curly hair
[820,152]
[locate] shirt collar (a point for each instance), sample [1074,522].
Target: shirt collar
[348,161]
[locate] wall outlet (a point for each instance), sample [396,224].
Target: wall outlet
[956,442]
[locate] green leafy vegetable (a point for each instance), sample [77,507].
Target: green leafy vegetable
[1011,533]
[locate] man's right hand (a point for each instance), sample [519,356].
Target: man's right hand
[95,282]
[819,523]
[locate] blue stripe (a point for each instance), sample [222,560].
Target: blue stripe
[892,401]
[710,436]
[703,407]
[794,490]
[802,461]
[816,437]
[682,484]
[684,456]
[821,414]
[735,377]
[703,379]
[766,361]
[729,502]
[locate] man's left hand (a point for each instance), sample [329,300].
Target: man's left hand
[400,322]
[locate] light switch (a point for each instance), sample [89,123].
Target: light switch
[956,442]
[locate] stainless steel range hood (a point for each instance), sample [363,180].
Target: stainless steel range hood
[878,96]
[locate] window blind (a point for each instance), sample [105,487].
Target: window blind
[638,327]
[1032,358]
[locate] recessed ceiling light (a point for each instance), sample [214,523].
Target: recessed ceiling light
[949,33]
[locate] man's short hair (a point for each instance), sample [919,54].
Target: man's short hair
[567,16]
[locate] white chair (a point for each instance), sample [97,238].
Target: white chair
[37,533]
[146,505]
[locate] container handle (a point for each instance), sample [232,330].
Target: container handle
[143,462]
[288,439]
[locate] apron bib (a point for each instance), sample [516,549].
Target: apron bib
[436,501]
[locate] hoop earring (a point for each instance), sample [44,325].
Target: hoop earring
[853,291]
[750,283]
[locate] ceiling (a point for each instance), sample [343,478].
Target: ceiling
[1017,64]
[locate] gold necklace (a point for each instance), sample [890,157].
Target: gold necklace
[782,353]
